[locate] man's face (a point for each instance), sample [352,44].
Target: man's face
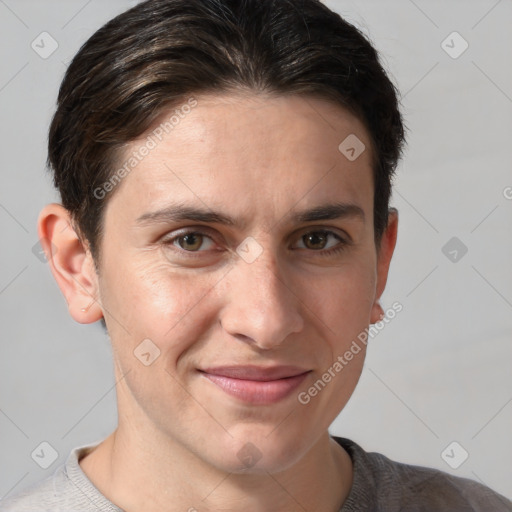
[228,303]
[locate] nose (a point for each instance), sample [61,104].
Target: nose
[260,306]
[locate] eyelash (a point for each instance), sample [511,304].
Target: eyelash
[341,246]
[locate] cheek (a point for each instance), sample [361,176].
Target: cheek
[174,311]
[155,302]
[342,303]
[343,299]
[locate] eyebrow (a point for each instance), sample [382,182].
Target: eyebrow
[182,212]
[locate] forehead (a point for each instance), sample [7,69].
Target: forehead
[254,153]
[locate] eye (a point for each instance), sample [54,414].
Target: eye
[322,240]
[191,241]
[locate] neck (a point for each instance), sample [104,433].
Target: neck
[162,476]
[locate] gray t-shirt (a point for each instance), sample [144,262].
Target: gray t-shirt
[379,485]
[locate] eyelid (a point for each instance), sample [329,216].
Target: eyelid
[204,231]
[344,239]
[337,232]
[343,242]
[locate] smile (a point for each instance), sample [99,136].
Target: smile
[257,386]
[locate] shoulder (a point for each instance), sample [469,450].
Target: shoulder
[67,490]
[44,495]
[389,485]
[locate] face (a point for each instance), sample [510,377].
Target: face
[221,321]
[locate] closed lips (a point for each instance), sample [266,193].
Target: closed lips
[256,385]
[256,373]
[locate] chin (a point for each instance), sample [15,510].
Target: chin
[258,450]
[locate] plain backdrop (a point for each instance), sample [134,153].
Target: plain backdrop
[438,373]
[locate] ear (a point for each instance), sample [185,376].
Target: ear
[71,263]
[384,254]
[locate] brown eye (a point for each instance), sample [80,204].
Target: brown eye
[189,244]
[316,240]
[324,242]
[190,241]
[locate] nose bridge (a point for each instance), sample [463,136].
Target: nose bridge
[266,281]
[261,307]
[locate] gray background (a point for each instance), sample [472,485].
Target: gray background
[438,373]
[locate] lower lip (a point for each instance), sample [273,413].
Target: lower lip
[258,392]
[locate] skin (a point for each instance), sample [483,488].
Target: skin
[258,159]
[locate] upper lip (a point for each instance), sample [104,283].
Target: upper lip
[251,372]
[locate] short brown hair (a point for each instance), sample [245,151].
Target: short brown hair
[153,56]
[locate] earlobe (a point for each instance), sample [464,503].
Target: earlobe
[71,263]
[384,255]
[377,312]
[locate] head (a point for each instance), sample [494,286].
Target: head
[278,122]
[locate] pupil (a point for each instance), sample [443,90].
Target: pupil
[315,239]
[189,241]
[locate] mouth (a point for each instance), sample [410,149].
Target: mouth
[256,385]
